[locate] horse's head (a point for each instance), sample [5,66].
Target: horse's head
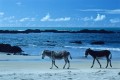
[87,52]
[43,54]
[47,53]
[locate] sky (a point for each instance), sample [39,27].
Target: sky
[60,13]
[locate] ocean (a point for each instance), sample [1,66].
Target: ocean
[34,43]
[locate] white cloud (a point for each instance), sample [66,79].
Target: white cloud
[107,11]
[2,13]
[19,3]
[24,19]
[62,19]
[100,17]
[116,20]
[48,18]
[32,19]
[8,18]
[27,19]
[87,18]
[96,10]
[115,11]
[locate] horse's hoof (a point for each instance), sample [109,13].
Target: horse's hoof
[67,68]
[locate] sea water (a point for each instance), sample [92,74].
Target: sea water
[35,43]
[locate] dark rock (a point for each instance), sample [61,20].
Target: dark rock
[51,41]
[8,54]
[55,31]
[119,73]
[25,54]
[98,43]
[16,49]
[76,42]
[95,31]
[7,48]
[51,45]
[32,31]
[50,30]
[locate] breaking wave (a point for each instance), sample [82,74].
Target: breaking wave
[97,48]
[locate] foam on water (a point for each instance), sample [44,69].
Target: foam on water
[97,48]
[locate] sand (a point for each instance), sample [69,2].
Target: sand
[16,67]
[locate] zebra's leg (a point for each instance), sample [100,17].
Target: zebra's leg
[107,61]
[55,64]
[98,62]
[65,64]
[68,64]
[93,62]
[52,64]
[110,63]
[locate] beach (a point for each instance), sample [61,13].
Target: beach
[33,67]
[18,67]
[34,34]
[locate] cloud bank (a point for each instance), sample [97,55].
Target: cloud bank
[107,11]
[27,19]
[99,17]
[116,20]
[48,18]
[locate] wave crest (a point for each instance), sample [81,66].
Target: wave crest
[98,48]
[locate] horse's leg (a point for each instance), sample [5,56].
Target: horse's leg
[93,62]
[110,63]
[55,64]
[107,62]
[65,63]
[52,64]
[68,64]
[98,62]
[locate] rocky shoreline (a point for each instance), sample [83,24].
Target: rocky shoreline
[55,31]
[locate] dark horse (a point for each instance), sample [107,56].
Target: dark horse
[57,55]
[98,54]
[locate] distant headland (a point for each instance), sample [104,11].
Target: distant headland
[55,31]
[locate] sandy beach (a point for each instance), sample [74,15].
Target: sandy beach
[16,67]
[32,31]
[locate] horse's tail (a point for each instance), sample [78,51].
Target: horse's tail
[110,55]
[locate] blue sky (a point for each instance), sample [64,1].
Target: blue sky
[60,13]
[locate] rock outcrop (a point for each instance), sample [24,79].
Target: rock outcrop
[7,48]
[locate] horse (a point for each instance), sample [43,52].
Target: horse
[98,54]
[57,55]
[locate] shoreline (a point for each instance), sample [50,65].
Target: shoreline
[37,59]
[56,31]
[40,70]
